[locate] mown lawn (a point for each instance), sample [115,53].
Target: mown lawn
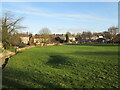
[67,66]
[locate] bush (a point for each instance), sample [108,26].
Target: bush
[12,49]
[21,45]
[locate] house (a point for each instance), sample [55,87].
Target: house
[101,38]
[72,38]
[43,38]
[61,36]
[94,38]
[24,38]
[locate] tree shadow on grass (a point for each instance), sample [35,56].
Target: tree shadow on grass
[13,78]
[58,60]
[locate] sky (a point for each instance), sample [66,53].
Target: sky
[62,17]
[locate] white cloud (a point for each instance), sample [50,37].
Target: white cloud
[77,29]
[76,17]
[27,9]
[72,30]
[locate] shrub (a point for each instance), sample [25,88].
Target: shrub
[12,49]
[21,45]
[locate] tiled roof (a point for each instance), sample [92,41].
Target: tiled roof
[23,35]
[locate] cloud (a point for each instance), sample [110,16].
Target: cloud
[72,30]
[72,17]
[77,29]
[30,10]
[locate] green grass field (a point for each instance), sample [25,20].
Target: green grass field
[66,66]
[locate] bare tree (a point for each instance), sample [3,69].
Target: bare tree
[10,23]
[69,34]
[15,40]
[45,35]
[9,26]
[113,31]
[44,31]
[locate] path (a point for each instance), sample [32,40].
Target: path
[4,55]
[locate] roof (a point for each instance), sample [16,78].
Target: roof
[42,36]
[23,35]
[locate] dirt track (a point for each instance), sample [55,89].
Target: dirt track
[4,55]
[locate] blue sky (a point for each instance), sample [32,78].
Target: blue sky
[61,17]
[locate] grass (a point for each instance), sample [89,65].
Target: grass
[66,66]
[1,50]
[11,49]
[98,44]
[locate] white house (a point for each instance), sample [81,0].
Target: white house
[72,38]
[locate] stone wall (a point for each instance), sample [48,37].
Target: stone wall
[21,49]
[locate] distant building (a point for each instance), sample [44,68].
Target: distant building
[72,38]
[94,38]
[24,38]
[100,36]
[42,38]
[38,39]
[107,36]
[61,36]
